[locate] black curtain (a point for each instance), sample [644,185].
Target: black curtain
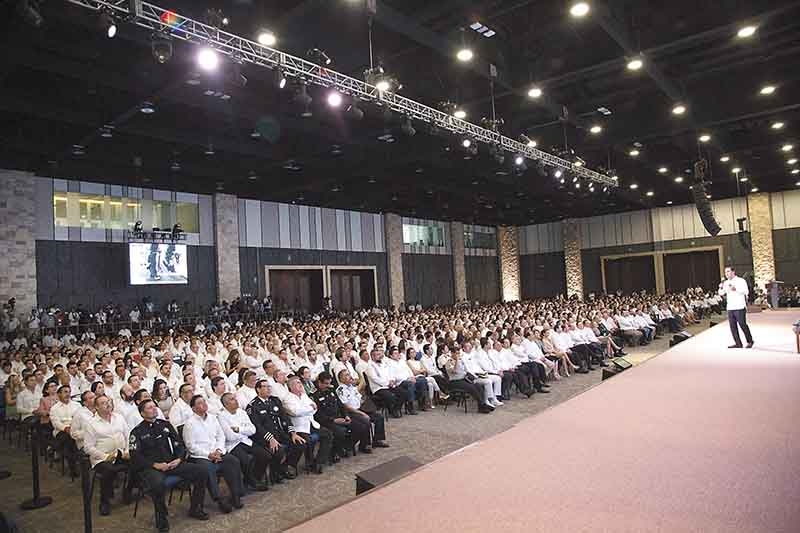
[691,269]
[630,274]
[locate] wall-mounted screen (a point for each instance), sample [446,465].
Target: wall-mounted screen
[158,264]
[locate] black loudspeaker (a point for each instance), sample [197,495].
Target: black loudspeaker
[610,372]
[621,363]
[704,208]
[701,201]
[677,339]
[384,473]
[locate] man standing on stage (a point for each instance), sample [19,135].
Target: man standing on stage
[735,291]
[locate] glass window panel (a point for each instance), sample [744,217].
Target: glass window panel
[60,210]
[188,217]
[162,215]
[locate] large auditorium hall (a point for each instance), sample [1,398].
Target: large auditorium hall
[399,265]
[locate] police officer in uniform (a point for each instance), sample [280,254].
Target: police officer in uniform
[332,415]
[353,405]
[157,452]
[275,433]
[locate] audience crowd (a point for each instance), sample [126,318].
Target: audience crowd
[246,402]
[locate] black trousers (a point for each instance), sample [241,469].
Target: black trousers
[107,472]
[738,319]
[154,481]
[325,438]
[442,382]
[379,425]
[254,461]
[358,432]
[387,398]
[505,383]
[470,388]
[231,470]
[67,446]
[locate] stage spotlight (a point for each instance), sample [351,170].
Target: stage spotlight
[215,18]
[108,24]
[147,108]
[519,160]
[746,31]
[579,9]
[460,114]
[304,100]
[161,47]
[466,143]
[30,11]
[355,112]
[407,127]
[280,78]
[679,109]
[315,55]
[207,59]
[558,173]
[334,99]
[530,143]
[534,92]
[635,64]
[267,38]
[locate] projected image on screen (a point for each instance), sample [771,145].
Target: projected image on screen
[158,264]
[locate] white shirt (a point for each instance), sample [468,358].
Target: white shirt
[125,409]
[27,402]
[203,435]
[301,410]
[736,299]
[103,437]
[245,395]
[238,420]
[180,413]
[61,415]
[79,425]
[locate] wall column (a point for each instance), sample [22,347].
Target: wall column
[226,231]
[459,272]
[508,251]
[572,257]
[393,227]
[759,214]
[18,239]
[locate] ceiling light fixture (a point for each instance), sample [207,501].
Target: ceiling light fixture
[792,161]
[466,143]
[334,99]
[161,47]
[678,179]
[743,179]
[534,92]
[754,189]
[460,114]
[736,170]
[519,160]
[635,64]
[704,138]
[530,143]
[558,173]
[746,31]
[777,125]
[679,109]
[634,153]
[465,55]
[725,158]
[662,170]
[147,108]
[767,90]
[796,171]
[669,202]
[787,147]
[596,129]
[579,9]
[650,193]
[633,186]
[108,24]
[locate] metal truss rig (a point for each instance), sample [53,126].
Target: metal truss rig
[241,50]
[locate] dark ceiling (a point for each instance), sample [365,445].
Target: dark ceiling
[63,82]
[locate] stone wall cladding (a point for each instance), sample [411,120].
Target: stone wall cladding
[572,257]
[393,228]
[226,231]
[18,239]
[508,250]
[759,213]
[459,271]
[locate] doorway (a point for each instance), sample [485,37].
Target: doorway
[352,289]
[297,290]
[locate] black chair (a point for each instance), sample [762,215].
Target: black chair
[382,407]
[457,395]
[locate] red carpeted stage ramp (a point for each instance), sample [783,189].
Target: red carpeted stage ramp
[701,438]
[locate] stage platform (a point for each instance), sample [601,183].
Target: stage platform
[700,438]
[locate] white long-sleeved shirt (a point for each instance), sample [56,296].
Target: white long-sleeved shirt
[301,409]
[203,435]
[379,375]
[103,437]
[245,395]
[79,425]
[238,420]
[27,402]
[180,413]
[736,299]
[400,370]
[625,323]
[61,415]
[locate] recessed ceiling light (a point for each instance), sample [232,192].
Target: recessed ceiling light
[679,109]
[704,138]
[754,189]
[792,161]
[767,89]
[635,64]
[466,143]
[650,193]
[746,31]
[678,179]
[633,153]
[596,129]
[558,173]
[725,158]
[708,196]
[633,186]
[535,92]
[736,170]
[147,108]
[743,179]
[464,55]
[604,111]
[460,114]
[267,38]
[796,171]
[579,9]
[207,59]
[787,147]
[777,125]
[669,203]
[662,170]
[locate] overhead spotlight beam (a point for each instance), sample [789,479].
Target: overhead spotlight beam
[248,51]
